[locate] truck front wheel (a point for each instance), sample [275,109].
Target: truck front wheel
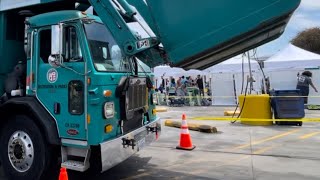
[25,153]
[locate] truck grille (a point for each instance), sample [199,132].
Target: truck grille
[136,94]
[135,103]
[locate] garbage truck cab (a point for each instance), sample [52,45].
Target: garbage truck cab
[78,72]
[80,97]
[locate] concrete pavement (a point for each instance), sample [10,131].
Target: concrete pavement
[236,152]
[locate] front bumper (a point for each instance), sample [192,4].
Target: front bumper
[114,152]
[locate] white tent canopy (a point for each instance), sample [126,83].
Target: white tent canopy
[293,53]
[194,72]
[168,71]
[234,60]
[293,57]
[234,65]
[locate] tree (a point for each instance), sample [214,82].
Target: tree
[308,39]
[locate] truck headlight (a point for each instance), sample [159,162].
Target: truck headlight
[109,110]
[154,98]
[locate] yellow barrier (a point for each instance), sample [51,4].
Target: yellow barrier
[255,107]
[161,109]
[254,119]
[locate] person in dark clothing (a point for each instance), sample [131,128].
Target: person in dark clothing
[200,85]
[304,80]
[266,90]
[162,83]
[173,82]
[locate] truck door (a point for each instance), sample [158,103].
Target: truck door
[62,89]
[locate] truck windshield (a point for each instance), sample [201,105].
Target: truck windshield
[105,52]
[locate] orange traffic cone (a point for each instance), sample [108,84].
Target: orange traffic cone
[63,174]
[185,138]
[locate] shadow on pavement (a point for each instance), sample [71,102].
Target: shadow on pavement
[136,168]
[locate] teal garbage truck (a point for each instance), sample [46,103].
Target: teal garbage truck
[75,75]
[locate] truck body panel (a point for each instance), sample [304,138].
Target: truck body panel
[197,34]
[14,4]
[11,44]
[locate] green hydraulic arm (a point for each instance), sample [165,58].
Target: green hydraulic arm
[192,34]
[195,34]
[114,15]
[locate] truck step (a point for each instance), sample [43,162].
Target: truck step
[75,165]
[76,159]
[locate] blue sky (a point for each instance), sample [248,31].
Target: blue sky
[307,16]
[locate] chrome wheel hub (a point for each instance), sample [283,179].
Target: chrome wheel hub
[20,151]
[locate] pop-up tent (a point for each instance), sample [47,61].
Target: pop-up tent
[282,68]
[194,72]
[227,80]
[166,72]
[292,57]
[234,65]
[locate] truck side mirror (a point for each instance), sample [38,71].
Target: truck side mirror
[56,58]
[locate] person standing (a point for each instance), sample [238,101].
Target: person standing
[190,81]
[179,83]
[183,80]
[304,80]
[173,82]
[200,85]
[162,85]
[167,85]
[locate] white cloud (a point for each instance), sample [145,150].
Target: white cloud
[310,4]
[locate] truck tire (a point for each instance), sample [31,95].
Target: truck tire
[25,154]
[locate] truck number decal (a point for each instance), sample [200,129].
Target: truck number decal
[72,125]
[143,44]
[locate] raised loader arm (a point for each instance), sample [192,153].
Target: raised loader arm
[194,34]
[123,20]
